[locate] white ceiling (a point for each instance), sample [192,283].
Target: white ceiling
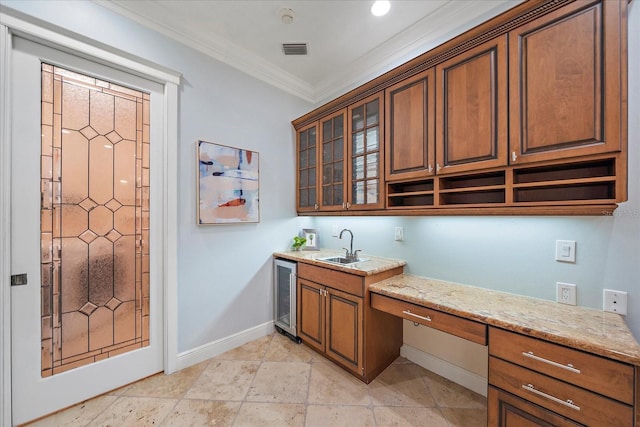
[347,45]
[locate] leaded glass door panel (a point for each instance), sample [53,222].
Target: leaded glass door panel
[94,213]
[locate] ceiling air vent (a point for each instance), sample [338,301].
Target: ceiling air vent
[294,48]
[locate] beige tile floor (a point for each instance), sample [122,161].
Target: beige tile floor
[274,382]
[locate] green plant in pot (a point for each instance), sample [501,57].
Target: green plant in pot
[298,242]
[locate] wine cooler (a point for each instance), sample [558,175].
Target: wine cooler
[285,298]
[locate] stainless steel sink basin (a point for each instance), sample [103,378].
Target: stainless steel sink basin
[341,260]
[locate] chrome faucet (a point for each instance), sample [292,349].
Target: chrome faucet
[350,255]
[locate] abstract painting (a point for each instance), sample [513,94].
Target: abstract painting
[228,185]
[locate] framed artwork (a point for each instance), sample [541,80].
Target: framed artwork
[312,239]
[228,188]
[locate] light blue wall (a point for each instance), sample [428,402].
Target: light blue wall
[224,272]
[516,254]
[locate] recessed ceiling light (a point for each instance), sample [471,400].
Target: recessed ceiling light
[380,7]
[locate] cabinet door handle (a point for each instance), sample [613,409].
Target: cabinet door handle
[348,205]
[438,167]
[514,156]
[316,207]
[568,367]
[568,403]
[409,313]
[430,168]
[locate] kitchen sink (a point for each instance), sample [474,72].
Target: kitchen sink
[342,260]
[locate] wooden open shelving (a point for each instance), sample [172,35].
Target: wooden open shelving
[590,182]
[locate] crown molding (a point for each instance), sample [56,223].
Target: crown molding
[226,52]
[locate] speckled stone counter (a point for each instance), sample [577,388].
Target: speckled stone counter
[371,265]
[590,330]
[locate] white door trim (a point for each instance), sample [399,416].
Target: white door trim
[76,44]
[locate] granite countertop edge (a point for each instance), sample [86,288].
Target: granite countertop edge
[587,329]
[372,264]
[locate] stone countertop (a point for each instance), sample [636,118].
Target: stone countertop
[594,331]
[371,265]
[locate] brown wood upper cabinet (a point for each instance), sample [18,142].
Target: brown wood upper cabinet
[524,114]
[471,109]
[410,132]
[561,104]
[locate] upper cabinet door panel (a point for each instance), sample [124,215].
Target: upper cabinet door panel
[307,168]
[365,153]
[410,132]
[557,98]
[333,154]
[471,113]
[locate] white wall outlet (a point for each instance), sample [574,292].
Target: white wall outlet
[566,293]
[566,250]
[399,234]
[335,231]
[615,301]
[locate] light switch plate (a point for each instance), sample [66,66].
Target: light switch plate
[566,250]
[399,234]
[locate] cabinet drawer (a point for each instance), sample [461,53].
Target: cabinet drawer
[601,375]
[346,282]
[467,329]
[573,402]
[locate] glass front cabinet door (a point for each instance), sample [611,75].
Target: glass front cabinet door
[307,169]
[365,123]
[333,155]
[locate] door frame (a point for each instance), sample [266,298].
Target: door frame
[53,36]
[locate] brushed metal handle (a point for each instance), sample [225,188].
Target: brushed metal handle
[514,156]
[568,403]
[409,313]
[568,367]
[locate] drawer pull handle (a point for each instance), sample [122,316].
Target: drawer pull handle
[568,367]
[409,313]
[568,403]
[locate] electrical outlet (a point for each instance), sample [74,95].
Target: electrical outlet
[615,301]
[566,293]
[399,234]
[334,231]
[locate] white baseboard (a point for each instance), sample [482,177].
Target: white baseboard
[212,349]
[454,373]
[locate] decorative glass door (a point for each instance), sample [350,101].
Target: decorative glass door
[94,220]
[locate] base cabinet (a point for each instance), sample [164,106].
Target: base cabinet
[536,383]
[335,319]
[331,323]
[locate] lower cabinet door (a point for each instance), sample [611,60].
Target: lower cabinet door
[506,410]
[344,324]
[311,319]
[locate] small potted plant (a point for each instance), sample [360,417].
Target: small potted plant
[298,242]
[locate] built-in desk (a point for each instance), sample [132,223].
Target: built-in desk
[549,363]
